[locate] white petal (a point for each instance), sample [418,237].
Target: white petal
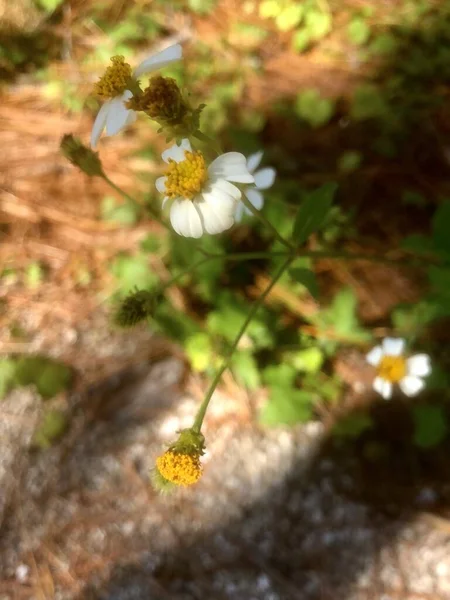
[411,386]
[118,114]
[374,356]
[159,60]
[99,123]
[419,365]
[165,200]
[255,197]
[264,178]
[393,346]
[253,161]
[383,387]
[160,184]
[239,212]
[231,166]
[217,209]
[176,152]
[226,187]
[185,219]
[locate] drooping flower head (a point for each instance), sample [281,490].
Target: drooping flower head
[118,85]
[200,197]
[393,367]
[180,464]
[264,179]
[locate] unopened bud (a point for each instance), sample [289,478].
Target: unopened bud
[134,308]
[81,156]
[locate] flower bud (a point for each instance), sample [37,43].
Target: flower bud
[180,464]
[81,156]
[136,307]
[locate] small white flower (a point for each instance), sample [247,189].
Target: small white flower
[264,179]
[114,115]
[393,367]
[201,199]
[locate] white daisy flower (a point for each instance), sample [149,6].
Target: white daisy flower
[393,367]
[201,198]
[264,179]
[115,86]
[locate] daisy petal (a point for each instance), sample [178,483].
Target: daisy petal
[176,152]
[253,161]
[239,212]
[227,188]
[185,219]
[419,365]
[118,114]
[383,387]
[264,178]
[374,356]
[99,124]
[255,197]
[411,385]
[231,166]
[160,184]
[217,209]
[159,60]
[393,346]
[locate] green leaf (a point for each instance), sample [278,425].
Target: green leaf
[319,24]
[384,44]
[289,17]
[312,212]
[279,375]
[269,9]
[34,274]
[7,375]
[419,244]
[409,318]
[133,272]
[52,427]
[125,213]
[307,278]
[342,318]
[49,5]
[441,227]
[368,103]
[314,109]
[245,369]
[349,161]
[309,360]
[413,198]
[199,351]
[286,406]
[202,7]
[430,425]
[50,377]
[358,31]
[353,425]
[301,40]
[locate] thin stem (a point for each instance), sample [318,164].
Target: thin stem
[131,199]
[258,214]
[226,361]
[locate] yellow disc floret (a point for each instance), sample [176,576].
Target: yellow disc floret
[187,177]
[392,368]
[116,79]
[179,468]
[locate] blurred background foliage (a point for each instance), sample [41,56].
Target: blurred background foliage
[345,91]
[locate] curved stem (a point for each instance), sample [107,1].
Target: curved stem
[127,196]
[258,214]
[226,361]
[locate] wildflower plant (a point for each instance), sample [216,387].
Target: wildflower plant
[204,192]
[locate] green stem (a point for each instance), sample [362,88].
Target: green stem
[199,135]
[226,361]
[258,214]
[131,199]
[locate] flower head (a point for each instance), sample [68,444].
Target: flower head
[201,197]
[264,179]
[393,367]
[117,87]
[180,464]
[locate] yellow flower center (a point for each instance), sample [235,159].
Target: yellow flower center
[392,368]
[187,177]
[116,79]
[181,469]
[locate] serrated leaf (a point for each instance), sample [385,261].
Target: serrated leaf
[286,406]
[358,31]
[312,212]
[430,425]
[245,369]
[279,375]
[307,278]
